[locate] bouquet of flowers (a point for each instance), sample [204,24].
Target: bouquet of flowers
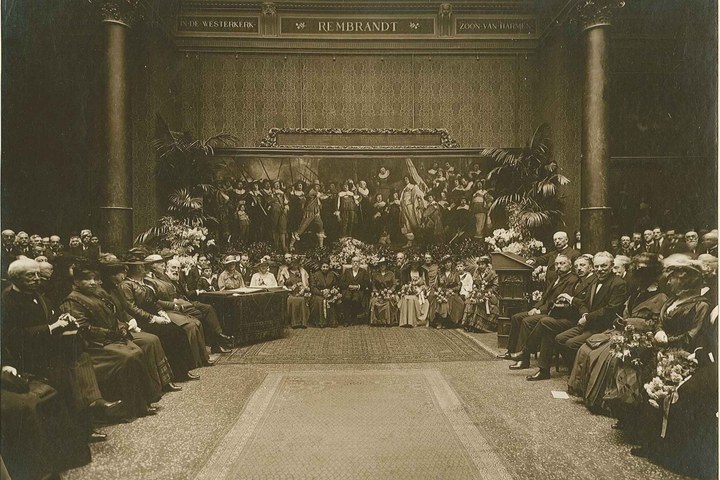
[442,295]
[300,290]
[332,295]
[409,289]
[536,295]
[673,367]
[512,240]
[384,294]
[539,274]
[478,295]
[633,346]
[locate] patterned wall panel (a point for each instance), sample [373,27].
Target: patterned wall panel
[244,95]
[559,103]
[475,98]
[355,91]
[483,102]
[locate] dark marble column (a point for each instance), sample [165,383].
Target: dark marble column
[116,210]
[595,17]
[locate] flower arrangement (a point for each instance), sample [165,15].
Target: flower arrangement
[182,235]
[345,249]
[674,366]
[332,295]
[539,274]
[513,241]
[187,262]
[300,290]
[442,295]
[536,295]
[633,346]
[409,289]
[384,294]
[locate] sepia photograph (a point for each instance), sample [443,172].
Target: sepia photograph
[359,239]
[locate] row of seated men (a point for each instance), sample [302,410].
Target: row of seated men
[675,302]
[121,338]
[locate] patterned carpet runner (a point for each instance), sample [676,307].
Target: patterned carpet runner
[362,344]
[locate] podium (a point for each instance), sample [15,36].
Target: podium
[515,279]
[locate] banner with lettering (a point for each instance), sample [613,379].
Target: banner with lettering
[363,26]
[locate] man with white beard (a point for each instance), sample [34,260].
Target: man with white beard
[202,311]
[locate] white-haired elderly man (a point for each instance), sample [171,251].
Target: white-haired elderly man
[691,248]
[32,339]
[202,311]
[22,244]
[710,243]
[561,242]
[594,313]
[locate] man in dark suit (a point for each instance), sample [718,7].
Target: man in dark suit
[598,310]
[191,279]
[243,266]
[649,244]
[525,321]
[354,285]
[605,297]
[560,240]
[32,336]
[691,247]
[662,244]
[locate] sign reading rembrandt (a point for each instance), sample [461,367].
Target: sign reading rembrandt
[372,26]
[188,23]
[494,26]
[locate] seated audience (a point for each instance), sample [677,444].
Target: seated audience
[119,364]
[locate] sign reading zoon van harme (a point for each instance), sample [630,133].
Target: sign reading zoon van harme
[494,26]
[366,26]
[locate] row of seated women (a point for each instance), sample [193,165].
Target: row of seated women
[410,294]
[116,343]
[666,314]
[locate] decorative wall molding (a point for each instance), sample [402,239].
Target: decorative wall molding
[424,135]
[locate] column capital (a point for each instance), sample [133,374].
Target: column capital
[594,13]
[124,12]
[269,8]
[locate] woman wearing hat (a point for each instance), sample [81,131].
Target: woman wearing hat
[119,364]
[230,278]
[383,310]
[413,305]
[263,277]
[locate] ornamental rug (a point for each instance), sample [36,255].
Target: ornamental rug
[362,344]
[374,424]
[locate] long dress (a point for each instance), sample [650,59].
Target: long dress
[595,366]
[482,315]
[166,293]
[412,205]
[141,305]
[120,365]
[413,308]
[383,311]
[297,308]
[155,356]
[322,311]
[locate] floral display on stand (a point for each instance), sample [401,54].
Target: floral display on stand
[513,241]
